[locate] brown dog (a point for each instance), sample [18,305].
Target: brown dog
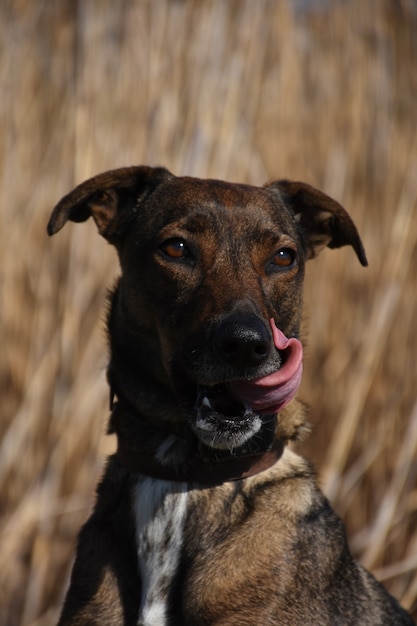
[204,516]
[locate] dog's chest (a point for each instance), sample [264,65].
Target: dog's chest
[160,509]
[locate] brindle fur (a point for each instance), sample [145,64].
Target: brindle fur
[267,550]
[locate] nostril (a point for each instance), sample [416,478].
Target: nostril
[262,349]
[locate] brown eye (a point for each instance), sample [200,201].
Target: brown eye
[175,248]
[283,258]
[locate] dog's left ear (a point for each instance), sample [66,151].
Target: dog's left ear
[110,198]
[323,221]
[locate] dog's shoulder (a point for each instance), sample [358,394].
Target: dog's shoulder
[281,523]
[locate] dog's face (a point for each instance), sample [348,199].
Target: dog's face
[211,289]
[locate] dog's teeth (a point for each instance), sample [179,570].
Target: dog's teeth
[206,402]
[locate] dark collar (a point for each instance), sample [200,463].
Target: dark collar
[212,472]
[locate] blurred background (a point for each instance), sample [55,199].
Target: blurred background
[320,91]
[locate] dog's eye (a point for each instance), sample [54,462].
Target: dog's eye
[283,258]
[175,248]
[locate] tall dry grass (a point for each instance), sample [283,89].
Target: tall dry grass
[234,89]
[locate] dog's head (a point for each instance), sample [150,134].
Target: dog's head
[204,322]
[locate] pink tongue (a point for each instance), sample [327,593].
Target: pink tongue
[271,393]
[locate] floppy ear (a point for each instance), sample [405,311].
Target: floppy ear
[109,198]
[323,221]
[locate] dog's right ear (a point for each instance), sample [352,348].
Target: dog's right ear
[109,198]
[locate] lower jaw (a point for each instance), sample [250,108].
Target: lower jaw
[248,435]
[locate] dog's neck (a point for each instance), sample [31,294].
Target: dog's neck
[198,470]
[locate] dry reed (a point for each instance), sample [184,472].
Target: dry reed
[232,89]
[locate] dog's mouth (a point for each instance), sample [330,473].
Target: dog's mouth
[228,416]
[222,420]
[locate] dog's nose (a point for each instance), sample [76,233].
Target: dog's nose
[242,341]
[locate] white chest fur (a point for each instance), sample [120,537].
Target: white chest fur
[160,508]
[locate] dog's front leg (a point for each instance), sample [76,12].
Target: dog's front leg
[105,584]
[93,598]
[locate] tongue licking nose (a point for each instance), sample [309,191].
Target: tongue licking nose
[269,394]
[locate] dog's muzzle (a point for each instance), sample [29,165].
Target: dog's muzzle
[229,416]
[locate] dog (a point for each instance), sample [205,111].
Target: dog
[205,515]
